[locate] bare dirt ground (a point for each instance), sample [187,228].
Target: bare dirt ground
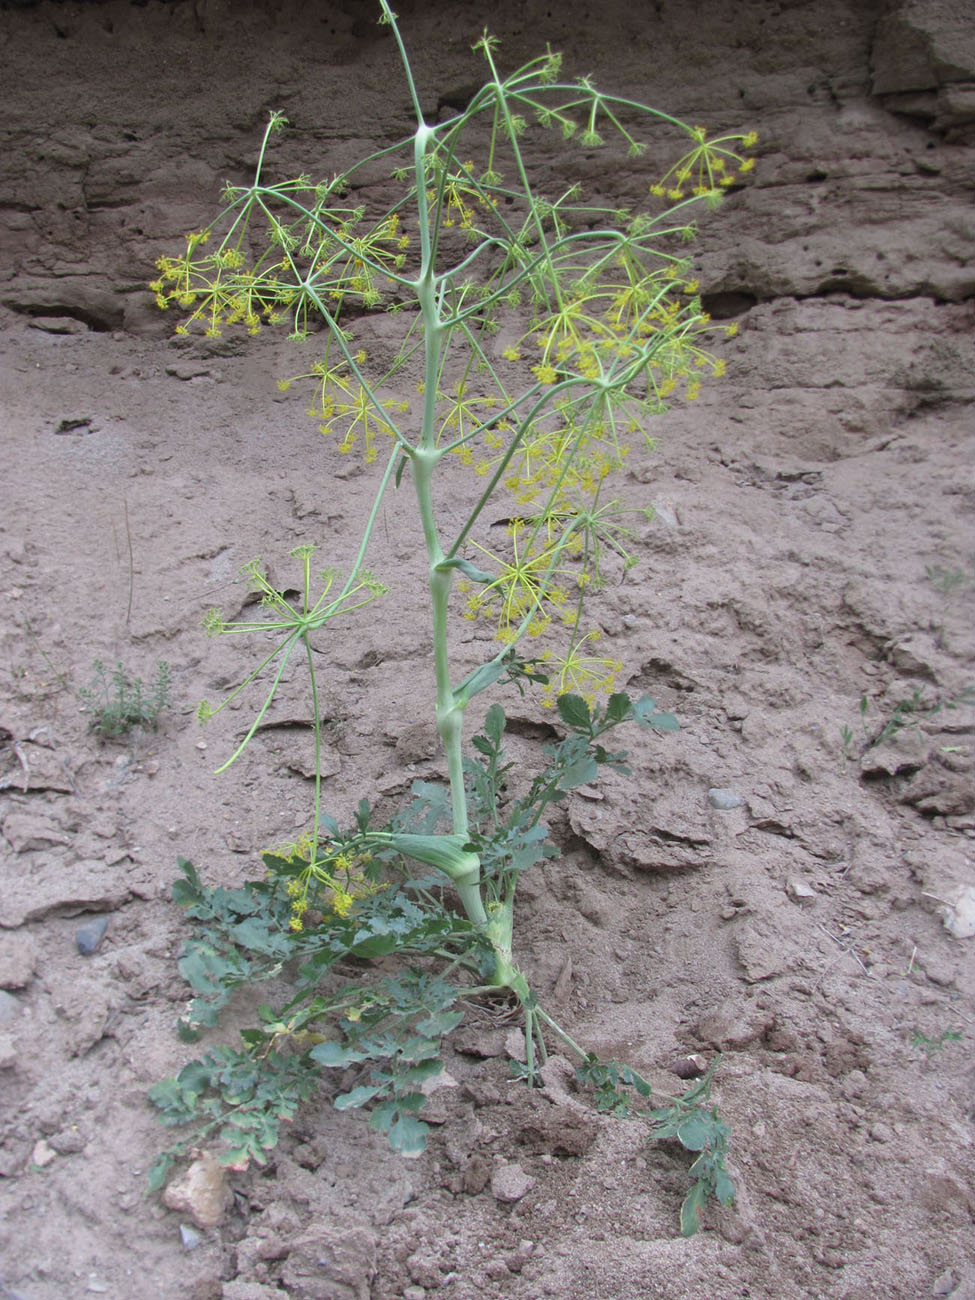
[813,547]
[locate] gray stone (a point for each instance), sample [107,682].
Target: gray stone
[9,1007]
[189,1237]
[88,937]
[724,800]
[68,1142]
[509,1183]
[9,1055]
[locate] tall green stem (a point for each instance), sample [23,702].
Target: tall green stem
[423,461]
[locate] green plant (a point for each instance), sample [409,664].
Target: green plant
[932,1046]
[948,581]
[541,332]
[908,713]
[116,702]
[22,672]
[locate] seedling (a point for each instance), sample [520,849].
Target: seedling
[116,701]
[933,1046]
[540,333]
[907,714]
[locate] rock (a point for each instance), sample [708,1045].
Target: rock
[483,1043]
[189,1237]
[238,1290]
[761,950]
[733,1024]
[9,1007]
[514,1044]
[923,61]
[688,1067]
[959,916]
[424,1268]
[87,937]
[8,1051]
[333,1263]
[944,1283]
[559,1131]
[187,370]
[57,886]
[724,800]
[18,957]
[29,832]
[798,890]
[202,1192]
[42,1154]
[509,1183]
[68,1141]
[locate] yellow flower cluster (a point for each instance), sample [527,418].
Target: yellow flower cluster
[707,169]
[337,878]
[319,259]
[577,672]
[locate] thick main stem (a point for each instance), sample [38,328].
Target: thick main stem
[424,460]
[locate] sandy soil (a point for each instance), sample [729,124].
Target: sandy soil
[813,547]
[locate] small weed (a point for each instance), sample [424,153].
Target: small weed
[22,672]
[905,715]
[116,702]
[932,1046]
[689,1119]
[949,581]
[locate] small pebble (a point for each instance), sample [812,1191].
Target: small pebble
[87,937]
[9,1007]
[189,1237]
[510,1183]
[798,890]
[724,799]
[42,1155]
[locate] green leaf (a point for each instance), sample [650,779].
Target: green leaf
[583,771]
[440,1023]
[448,853]
[376,945]
[646,713]
[204,970]
[574,712]
[190,890]
[724,1188]
[333,1054]
[494,723]
[690,1211]
[408,1135]
[697,1132]
[357,1097]
[159,1171]
[618,708]
[479,680]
